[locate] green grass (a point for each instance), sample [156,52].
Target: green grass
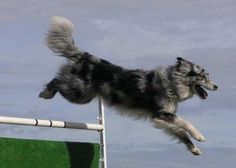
[18,153]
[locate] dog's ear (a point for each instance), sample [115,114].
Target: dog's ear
[180,60]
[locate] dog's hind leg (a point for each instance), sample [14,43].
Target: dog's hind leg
[50,91]
[178,121]
[178,133]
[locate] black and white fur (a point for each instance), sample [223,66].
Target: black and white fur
[152,95]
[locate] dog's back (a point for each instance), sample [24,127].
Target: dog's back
[85,76]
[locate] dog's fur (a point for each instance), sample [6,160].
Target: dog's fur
[152,95]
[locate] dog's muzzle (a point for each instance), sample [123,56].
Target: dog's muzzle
[200,88]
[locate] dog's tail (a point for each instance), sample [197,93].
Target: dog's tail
[59,37]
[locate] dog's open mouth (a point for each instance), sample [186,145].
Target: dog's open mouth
[201,92]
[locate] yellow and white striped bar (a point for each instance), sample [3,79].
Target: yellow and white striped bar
[50,123]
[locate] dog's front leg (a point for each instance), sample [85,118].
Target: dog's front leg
[195,133]
[179,133]
[178,121]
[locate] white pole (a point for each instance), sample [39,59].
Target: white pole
[50,123]
[103,150]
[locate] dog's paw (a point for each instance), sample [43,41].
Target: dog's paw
[196,151]
[198,136]
[47,94]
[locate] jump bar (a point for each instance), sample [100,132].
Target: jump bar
[50,123]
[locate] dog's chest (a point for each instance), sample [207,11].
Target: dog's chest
[169,106]
[184,93]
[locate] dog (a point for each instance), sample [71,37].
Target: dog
[152,95]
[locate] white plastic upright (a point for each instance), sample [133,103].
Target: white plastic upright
[103,150]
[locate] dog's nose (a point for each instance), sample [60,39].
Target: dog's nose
[215,87]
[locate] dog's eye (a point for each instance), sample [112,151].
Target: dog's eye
[192,73]
[205,78]
[201,78]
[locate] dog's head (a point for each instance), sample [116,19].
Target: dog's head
[196,77]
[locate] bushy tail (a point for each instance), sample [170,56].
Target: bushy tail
[59,37]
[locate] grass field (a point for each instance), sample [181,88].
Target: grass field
[17,153]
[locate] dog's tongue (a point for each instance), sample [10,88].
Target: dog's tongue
[202,93]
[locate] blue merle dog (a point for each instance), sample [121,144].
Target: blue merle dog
[153,95]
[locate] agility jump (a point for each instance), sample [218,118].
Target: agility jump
[69,125]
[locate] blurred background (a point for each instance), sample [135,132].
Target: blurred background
[133,34]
